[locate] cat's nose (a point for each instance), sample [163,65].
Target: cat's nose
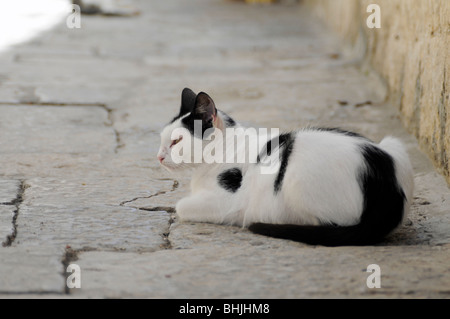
[161,158]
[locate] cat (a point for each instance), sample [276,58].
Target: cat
[328,186]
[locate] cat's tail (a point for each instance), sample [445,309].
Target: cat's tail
[331,236]
[386,184]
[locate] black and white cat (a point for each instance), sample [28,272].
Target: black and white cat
[326,186]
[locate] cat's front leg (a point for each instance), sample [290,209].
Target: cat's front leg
[200,207]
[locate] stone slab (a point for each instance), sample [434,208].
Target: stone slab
[259,272]
[204,235]
[6,222]
[60,93]
[48,129]
[82,165]
[31,270]
[8,190]
[94,190]
[92,227]
[49,69]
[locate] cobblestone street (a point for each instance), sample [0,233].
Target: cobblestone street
[80,116]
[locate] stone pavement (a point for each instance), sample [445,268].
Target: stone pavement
[81,111]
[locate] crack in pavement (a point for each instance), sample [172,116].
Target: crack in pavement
[170,210]
[15,202]
[174,187]
[12,203]
[167,244]
[109,111]
[69,256]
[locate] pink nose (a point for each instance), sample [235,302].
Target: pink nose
[161,158]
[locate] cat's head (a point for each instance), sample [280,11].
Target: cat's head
[197,119]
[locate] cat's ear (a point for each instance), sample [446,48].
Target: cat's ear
[188,98]
[205,110]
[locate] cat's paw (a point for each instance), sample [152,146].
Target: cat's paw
[184,210]
[198,208]
[202,207]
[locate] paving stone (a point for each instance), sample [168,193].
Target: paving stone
[259,272]
[203,235]
[6,222]
[47,129]
[93,191]
[31,270]
[82,165]
[35,296]
[50,69]
[106,228]
[8,195]
[8,190]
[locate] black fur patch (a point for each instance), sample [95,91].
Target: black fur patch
[230,179]
[187,103]
[188,123]
[383,197]
[229,122]
[288,144]
[203,113]
[271,145]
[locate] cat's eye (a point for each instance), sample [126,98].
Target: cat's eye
[174,142]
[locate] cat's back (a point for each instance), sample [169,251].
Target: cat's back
[322,174]
[328,148]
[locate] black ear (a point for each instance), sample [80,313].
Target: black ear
[187,101]
[204,110]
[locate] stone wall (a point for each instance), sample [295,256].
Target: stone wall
[411,51]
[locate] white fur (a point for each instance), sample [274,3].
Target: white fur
[320,185]
[403,165]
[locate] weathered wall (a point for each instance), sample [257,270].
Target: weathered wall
[411,51]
